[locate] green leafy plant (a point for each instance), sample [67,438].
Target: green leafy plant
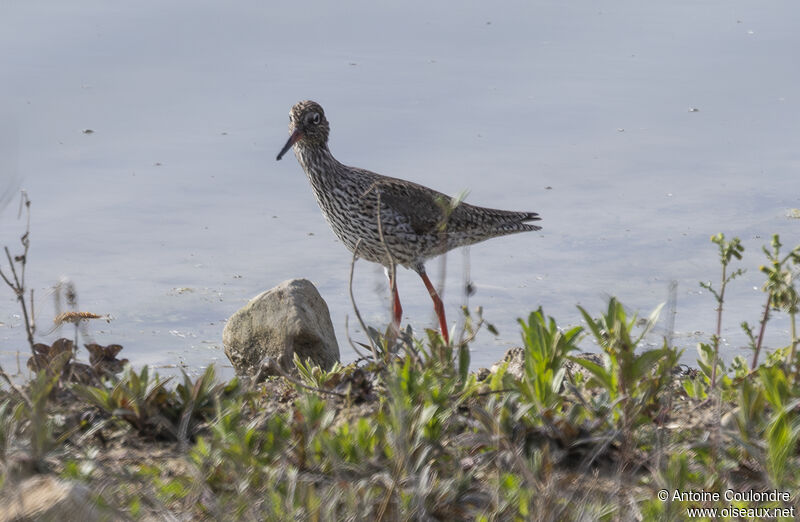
[8,427]
[32,414]
[781,295]
[631,378]
[782,291]
[195,401]
[235,453]
[314,375]
[137,398]
[728,250]
[698,383]
[631,383]
[546,350]
[783,427]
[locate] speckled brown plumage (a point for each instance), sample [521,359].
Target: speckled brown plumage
[417,222]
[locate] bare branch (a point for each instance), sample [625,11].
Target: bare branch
[16,284]
[16,388]
[17,280]
[355,306]
[8,282]
[350,339]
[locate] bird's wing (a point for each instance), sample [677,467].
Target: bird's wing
[422,208]
[425,210]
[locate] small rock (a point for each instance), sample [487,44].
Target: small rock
[515,357]
[574,368]
[44,497]
[290,318]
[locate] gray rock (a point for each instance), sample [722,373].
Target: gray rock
[290,318]
[515,357]
[45,497]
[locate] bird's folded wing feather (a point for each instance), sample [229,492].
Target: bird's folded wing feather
[422,208]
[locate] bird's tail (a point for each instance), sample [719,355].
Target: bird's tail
[508,222]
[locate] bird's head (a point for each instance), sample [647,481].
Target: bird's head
[307,124]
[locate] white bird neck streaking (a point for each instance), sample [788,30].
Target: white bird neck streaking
[313,159]
[319,165]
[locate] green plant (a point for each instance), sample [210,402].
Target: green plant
[727,251]
[472,325]
[195,401]
[40,426]
[781,295]
[419,414]
[139,399]
[676,476]
[546,350]
[8,427]
[630,378]
[698,383]
[631,383]
[783,426]
[780,286]
[30,416]
[314,375]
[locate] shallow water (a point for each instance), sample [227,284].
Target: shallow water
[172,213]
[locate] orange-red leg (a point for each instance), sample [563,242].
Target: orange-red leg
[438,306]
[397,309]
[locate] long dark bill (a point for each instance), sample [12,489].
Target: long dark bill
[296,135]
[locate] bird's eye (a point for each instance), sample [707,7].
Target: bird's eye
[315,118]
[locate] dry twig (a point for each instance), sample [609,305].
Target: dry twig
[16,281]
